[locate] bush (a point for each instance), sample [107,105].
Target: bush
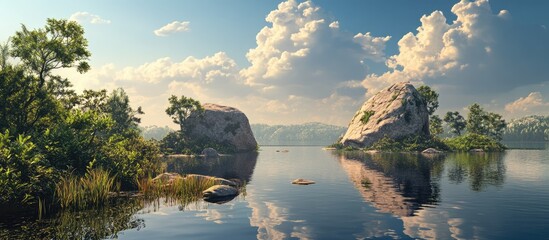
[474,141]
[25,175]
[408,144]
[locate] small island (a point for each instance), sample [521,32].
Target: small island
[401,119]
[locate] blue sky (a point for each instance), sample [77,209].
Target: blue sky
[317,61]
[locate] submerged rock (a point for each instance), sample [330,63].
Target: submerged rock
[396,112]
[223,125]
[431,151]
[210,153]
[301,181]
[220,191]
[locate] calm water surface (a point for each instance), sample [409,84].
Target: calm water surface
[357,196]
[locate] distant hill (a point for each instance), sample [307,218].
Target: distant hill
[155,132]
[302,134]
[531,128]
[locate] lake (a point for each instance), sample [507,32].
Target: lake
[356,196]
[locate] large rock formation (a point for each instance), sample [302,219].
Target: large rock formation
[397,111]
[224,125]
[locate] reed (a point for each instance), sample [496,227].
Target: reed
[183,189]
[80,192]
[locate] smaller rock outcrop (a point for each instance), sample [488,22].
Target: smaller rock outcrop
[301,181]
[220,191]
[223,125]
[219,181]
[210,153]
[166,178]
[395,112]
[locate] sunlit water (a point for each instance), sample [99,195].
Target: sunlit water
[356,196]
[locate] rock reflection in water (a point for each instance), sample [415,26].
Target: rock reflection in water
[395,183]
[238,166]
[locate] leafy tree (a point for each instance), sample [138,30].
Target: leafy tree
[60,44]
[24,107]
[495,125]
[25,175]
[485,123]
[475,120]
[455,121]
[430,97]
[91,100]
[125,118]
[435,125]
[180,109]
[4,54]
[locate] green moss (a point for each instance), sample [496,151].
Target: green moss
[366,117]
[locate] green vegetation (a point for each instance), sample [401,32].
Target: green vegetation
[181,109]
[470,141]
[430,97]
[184,189]
[455,121]
[366,116]
[485,123]
[47,130]
[80,192]
[435,125]
[408,144]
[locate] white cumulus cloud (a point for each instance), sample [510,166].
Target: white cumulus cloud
[303,49]
[87,17]
[173,27]
[533,101]
[479,52]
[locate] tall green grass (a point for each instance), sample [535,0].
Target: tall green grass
[182,189]
[80,192]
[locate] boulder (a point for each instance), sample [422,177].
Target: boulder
[220,181]
[396,112]
[223,125]
[431,151]
[210,153]
[301,181]
[166,178]
[220,191]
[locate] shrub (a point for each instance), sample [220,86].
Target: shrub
[366,117]
[474,141]
[25,176]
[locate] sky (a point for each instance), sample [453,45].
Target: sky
[291,62]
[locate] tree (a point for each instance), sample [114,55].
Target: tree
[430,97]
[456,121]
[435,125]
[475,120]
[125,118]
[4,54]
[485,123]
[180,110]
[495,125]
[61,44]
